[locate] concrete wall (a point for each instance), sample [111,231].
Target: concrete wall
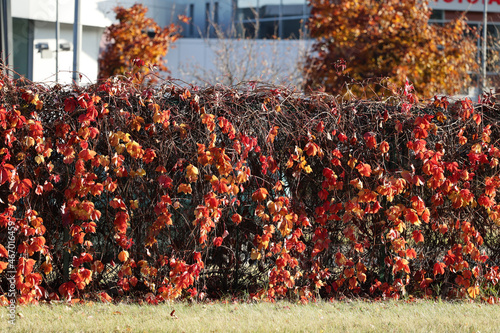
[45,10]
[212,61]
[35,23]
[44,63]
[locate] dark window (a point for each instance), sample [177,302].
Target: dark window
[207,18]
[216,12]
[437,14]
[191,21]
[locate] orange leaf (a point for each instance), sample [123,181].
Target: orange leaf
[412,217]
[67,289]
[5,172]
[3,251]
[340,259]
[121,222]
[311,149]
[236,218]
[218,241]
[439,268]
[3,265]
[364,169]
[192,173]
[384,147]
[260,194]
[417,236]
[272,134]
[185,188]
[105,298]
[123,256]
[473,291]
[87,154]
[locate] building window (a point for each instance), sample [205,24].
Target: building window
[216,12]
[272,18]
[207,18]
[191,20]
[437,15]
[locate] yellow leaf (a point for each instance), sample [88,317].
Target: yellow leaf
[39,159]
[473,291]
[255,255]
[192,173]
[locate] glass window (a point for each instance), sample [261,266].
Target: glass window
[292,28]
[282,18]
[437,14]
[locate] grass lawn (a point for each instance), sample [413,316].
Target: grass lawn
[355,316]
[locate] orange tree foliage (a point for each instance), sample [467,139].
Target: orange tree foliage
[116,191]
[135,44]
[358,40]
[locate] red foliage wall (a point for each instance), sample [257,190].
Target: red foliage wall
[112,191]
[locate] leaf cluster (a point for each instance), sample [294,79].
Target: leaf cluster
[120,191]
[387,39]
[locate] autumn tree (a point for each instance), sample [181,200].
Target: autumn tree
[358,41]
[136,43]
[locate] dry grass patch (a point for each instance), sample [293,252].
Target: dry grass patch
[356,316]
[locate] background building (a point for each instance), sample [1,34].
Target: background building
[34,44]
[278,25]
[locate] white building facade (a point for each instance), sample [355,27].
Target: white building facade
[34,48]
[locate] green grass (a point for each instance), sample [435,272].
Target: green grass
[355,316]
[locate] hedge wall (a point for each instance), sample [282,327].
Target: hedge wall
[115,191]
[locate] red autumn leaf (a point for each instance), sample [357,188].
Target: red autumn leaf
[70,104]
[411,253]
[323,194]
[23,187]
[402,265]
[3,265]
[485,201]
[165,181]
[364,169]
[426,215]
[371,141]
[329,173]
[272,134]
[67,289]
[340,259]
[236,218]
[218,241]
[117,203]
[149,156]
[320,126]
[87,154]
[39,190]
[311,149]
[121,221]
[418,204]
[412,217]
[26,266]
[417,236]
[105,298]
[260,194]
[5,172]
[208,119]
[439,268]
[3,251]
